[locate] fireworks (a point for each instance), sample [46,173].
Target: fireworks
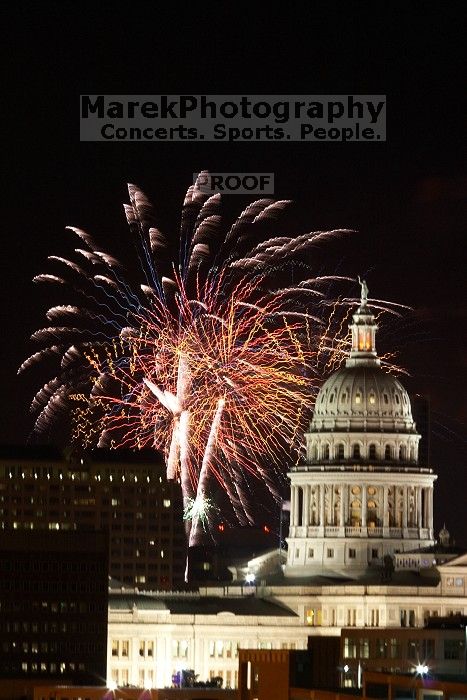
[213,360]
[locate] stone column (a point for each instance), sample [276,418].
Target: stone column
[430,510]
[294,505]
[341,507]
[405,505]
[419,506]
[306,506]
[321,505]
[385,507]
[363,492]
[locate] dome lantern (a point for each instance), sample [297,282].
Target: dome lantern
[363,329]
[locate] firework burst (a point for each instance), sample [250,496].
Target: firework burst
[212,361]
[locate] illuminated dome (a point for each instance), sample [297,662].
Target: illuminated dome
[362,411]
[362,397]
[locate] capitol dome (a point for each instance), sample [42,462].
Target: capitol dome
[361,397]
[362,412]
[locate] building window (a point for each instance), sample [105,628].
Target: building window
[454,648]
[352,553]
[125,646]
[180,649]
[311,553]
[340,450]
[350,648]
[387,452]
[326,452]
[166,503]
[330,553]
[428,648]
[358,398]
[407,618]
[372,452]
[381,648]
[114,647]
[394,648]
[374,553]
[412,650]
[364,648]
[356,451]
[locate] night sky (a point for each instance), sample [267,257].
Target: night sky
[406,198]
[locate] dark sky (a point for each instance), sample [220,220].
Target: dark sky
[406,197]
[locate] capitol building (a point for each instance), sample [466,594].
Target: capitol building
[361,494]
[361,547]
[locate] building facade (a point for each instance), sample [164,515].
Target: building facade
[131,501]
[360,495]
[53,606]
[152,636]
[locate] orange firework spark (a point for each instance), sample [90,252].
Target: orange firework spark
[212,361]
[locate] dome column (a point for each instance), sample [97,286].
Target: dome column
[294,505]
[306,507]
[321,508]
[364,510]
[342,511]
[385,511]
[430,512]
[405,507]
[419,507]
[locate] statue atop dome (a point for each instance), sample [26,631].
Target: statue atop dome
[364,291]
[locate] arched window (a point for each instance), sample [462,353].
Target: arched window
[326,452]
[340,450]
[356,451]
[387,452]
[372,452]
[402,452]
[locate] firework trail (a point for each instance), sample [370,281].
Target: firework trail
[212,361]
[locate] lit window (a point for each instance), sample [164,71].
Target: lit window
[364,650]
[350,648]
[166,503]
[372,399]
[358,398]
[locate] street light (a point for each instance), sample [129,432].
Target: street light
[421,669]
